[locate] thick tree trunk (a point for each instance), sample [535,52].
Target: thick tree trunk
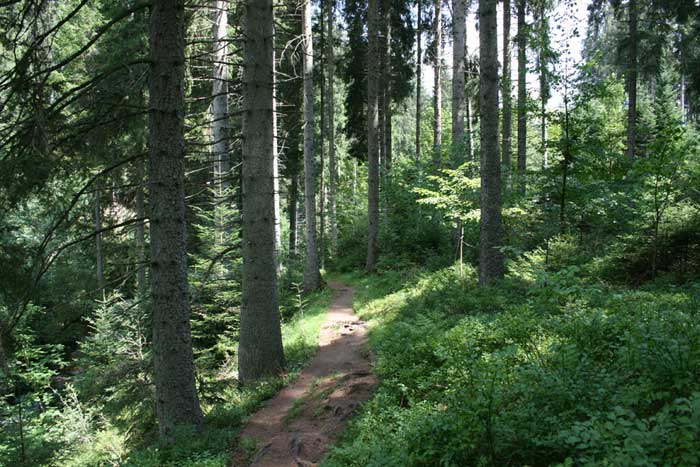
[219,105]
[437,87]
[372,143]
[312,275]
[491,265]
[459,27]
[419,76]
[507,130]
[632,80]
[332,164]
[177,402]
[260,349]
[522,96]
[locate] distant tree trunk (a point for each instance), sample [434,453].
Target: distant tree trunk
[491,265]
[219,105]
[459,27]
[260,344]
[437,87]
[312,275]
[682,91]
[293,201]
[372,143]
[522,96]
[177,402]
[419,75]
[276,162]
[322,145]
[544,87]
[332,164]
[470,129]
[354,179]
[99,259]
[632,80]
[507,142]
[565,163]
[386,87]
[141,284]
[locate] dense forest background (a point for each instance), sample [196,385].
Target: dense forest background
[514,192]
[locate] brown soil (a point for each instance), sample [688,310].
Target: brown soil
[296,427]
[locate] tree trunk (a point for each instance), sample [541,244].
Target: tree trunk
[491,265]
[312,276]
[470,129]
[99,259]
[276,161]
[419,75]
[322,143]
[386,87]
[544,88]
[332,164]
[260,344]
[372,143]
[177,402]
[506,151]
[219,105]
[565,164]
[437,87]
[459,27]
[522,96]
[141,284]
[632,80]
[293,201]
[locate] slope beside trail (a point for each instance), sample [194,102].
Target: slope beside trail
[296,427]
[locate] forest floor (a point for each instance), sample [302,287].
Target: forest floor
[296,427]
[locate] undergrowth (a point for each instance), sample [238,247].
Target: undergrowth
[547,368]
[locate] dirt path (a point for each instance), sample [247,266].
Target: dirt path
[296,427]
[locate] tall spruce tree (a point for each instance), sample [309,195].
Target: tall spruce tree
[491,261]
[260,349]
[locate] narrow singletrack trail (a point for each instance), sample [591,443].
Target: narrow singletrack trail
[295,427]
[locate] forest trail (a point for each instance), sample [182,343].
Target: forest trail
[296,427]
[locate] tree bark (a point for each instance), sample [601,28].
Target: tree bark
[312,275]
[507,130]
[372,143]
[99,259]
[459,27]
[322,143]
[491,266]
[177,402]
[522,96]
[419,75]
[260,344]
[293,201]
[332,164]
[632,80]
[276,161]
[386,87]
[219,105]
[544,88]
[141,284]
[437,87]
